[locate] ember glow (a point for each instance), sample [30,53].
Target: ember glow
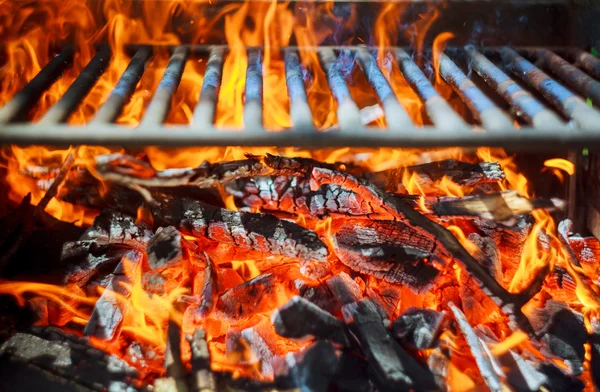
[242,243]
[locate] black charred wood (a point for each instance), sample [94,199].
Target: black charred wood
[111,307]
[300,318]
[311,370]
[344,288]
[173,363]
[388,250]
[418,328]
[462,173]
[114,228]
[393,368]
[352,374]
[85,260]
[298,166]
[164,249]
[51,360]
[563,333]
[558,380]
[210,290]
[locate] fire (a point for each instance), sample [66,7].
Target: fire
[271,26]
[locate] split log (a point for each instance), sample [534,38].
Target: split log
[264,293]
[210,290]
[128,170]
[112,305]
[260,232]
[344,288]
[448,244]
[114,228]
[394,369]
[203,379]
[311,370]
[418,329]
[388,250]
[164,249]
[300,319]
[484,363]
[502,207]
[461,173]
[48,359]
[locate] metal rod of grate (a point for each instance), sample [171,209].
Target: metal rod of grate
[551,114]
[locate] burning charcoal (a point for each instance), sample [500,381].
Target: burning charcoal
[84,260]
[387,250]
[203,379]
[386,295]
[263,348]
[260,232]
[112,227]
[352,374]
[50,360]
[462,173]
[298,165]
[394,369]
[563,333]
[261,294]
[418,328]
[311,370]
[320,296]
[439,363]
[520,374]
[164,248]
[109,311]
[484,363]
[300,318]
[501,207]
[344,288]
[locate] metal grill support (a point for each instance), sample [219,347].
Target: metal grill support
[546,129]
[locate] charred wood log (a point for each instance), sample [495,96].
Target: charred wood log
[449,245]
[299,319]
[563,334]
[418,328]
[258,295]
[128,170]
[388,250]
[203,378]
[344,288]
[502,207]
[558,380]
[394,369]
[311,370]
[114,228]
[461,173]
[484,363]
[297,166]
[352,374]
[112,304]
[85,259]
[260,232]
[51,360]
[164,249]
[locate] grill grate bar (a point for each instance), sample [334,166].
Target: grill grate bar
[564,100]
[300,112]
[204,113]
[438,110]
[396,117]
[571,75]
[26,99]
[112,108]
[547,130]
[158,109]
[588,62]
[491,116]
[253,109]
[528,107]
[80,88]
[347,112]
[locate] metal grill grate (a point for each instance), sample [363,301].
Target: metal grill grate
[540,100]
